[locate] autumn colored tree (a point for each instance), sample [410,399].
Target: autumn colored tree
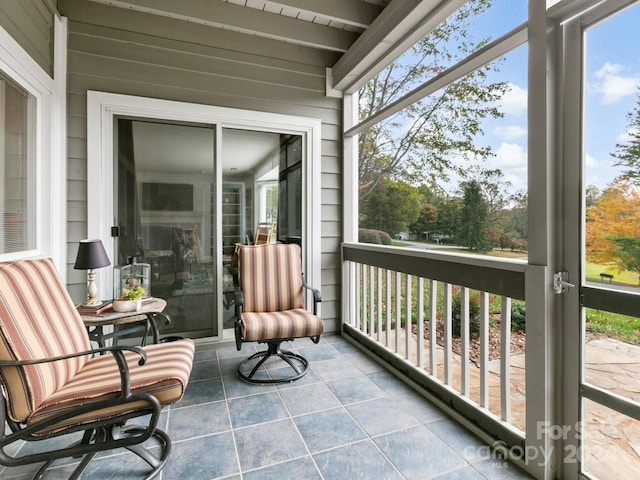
[613,227]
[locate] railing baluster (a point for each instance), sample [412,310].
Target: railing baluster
[464,340]
[365,316]
[387,286]
[398,310]
[358,271]
[408,320]
[484,349]
[433,338]
[447,334]
[420,323]
[505,359]
[379,304]
[372,299]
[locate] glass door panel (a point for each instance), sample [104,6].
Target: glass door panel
[165,216]
[250,161]
[610,259]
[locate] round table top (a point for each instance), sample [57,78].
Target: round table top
[149,305]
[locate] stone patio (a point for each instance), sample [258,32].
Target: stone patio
[612,440]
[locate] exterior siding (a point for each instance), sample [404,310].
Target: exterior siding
[118,51]
[30,23]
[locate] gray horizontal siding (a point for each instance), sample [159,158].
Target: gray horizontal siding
[30,24]
[115,51]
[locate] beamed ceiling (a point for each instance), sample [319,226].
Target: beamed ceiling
[365,33]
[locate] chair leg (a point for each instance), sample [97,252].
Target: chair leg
[298,363]
[105,435]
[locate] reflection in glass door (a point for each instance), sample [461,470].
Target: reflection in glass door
[608,426]
[165,216]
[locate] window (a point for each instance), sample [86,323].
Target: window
[17,200]
[32,151]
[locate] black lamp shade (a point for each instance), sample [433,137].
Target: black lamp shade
[91,254]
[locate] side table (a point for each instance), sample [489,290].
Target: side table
[142,320]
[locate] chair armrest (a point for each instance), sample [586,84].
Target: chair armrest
[239,302]
[316,295]
[116,350]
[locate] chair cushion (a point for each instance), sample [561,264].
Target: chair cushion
[37,320]
[164,375]
[296,323]
[270,277]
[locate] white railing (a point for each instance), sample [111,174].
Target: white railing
[401,303]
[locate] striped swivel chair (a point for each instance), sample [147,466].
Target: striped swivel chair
[270,309]
[54,384]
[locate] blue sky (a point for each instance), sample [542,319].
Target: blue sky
[612,70]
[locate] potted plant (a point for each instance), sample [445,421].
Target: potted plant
[130,301]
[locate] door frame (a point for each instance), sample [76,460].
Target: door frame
[572,212]
[103,107]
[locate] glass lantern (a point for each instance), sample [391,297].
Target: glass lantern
[132,275]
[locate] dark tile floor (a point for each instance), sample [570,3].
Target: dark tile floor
[347,418]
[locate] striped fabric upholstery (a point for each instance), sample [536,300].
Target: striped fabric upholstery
[294,323]
[37,320]
[270,277]
[164,375]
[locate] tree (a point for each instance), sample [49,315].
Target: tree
[628,153]
[472,229]
[391,207]
[449,217]
[495,191]
[418,143]
[613,227]
[591,193]
[426,221]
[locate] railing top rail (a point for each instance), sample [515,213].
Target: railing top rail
[500,276]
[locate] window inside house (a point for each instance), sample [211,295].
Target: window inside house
[17,168]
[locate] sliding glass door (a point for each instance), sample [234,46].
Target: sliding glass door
[165,206]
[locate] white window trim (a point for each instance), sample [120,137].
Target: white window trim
[50,144]
[103,107]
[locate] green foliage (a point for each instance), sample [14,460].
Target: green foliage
[366,235]
[449,217]
[390,207]
[626,250]
[134,293]
[426,221]
[418,143]
[472,229]
[518,314]
[628,154]
[474,313]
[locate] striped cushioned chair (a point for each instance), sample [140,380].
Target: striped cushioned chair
[54,384]
[270,309]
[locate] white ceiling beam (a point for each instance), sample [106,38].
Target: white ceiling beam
[350,12]
[245,20]
[396,29]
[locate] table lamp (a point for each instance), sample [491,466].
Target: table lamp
[91,255]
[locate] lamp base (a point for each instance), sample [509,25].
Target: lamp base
[91,303]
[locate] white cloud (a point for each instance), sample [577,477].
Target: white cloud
[627,136]
[512,157]
[591,162]
[514,101]
[613,84]
[510,132]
